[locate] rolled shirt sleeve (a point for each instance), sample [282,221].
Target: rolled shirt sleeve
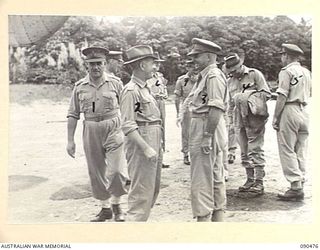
[216,87]
[128,115]
[261,82]
[284,83]
[74,107]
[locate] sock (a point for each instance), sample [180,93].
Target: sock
[105,203]
[115,200]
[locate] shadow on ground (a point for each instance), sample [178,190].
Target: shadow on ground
[22,182]
[251,202]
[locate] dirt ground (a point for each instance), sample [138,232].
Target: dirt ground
[48,186]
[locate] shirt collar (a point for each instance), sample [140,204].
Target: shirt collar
[291,64]
[105,77]
[206,69]
[138,81]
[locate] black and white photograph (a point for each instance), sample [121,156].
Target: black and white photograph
[159,119]
[158,122]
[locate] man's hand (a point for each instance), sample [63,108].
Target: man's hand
[275,124]
[179,119]
[150,154]
[71,149]
[206,144]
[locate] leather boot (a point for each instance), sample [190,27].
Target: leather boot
[118,214]
[257,187]
[292,195]
[186,160]
[250,180]
[104,214]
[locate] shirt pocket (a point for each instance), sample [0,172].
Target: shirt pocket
[108,100]
[85,100]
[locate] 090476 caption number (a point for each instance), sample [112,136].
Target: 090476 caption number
[307,246]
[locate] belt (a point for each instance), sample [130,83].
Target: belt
[195,115]
[101,118]
[148,123]
[299,104]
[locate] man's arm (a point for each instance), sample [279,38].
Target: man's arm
[71,146]
[281,101]
[177,103]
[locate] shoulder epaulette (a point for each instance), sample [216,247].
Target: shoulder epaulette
[79,82]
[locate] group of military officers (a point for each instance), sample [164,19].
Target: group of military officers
[124,126]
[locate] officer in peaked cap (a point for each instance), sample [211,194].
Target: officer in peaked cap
[95,54]
[158,87]
[291,49]
[96,96]
[291,120]
[114,63]
[201,46]
[207,106]
[142,126]
[182,89]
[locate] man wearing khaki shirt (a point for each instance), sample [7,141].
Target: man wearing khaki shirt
[208,193]
[291,120]
[96,96]
[249,93]
[141,124]
[182,89]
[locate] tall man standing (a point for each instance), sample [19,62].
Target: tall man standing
[208,193]
[291,120]
[96,96]
[183,88]
[249,92]
[141,124]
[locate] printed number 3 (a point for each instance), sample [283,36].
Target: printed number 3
[204,98]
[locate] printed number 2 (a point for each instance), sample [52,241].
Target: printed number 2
[137,109]
[204,98]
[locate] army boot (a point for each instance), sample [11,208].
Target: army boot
[118,214]
[205,218]
[105,214]
[257,187]
[250,180]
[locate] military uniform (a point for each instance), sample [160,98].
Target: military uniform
[102,135]
[157,85]
[249,88]
[208,192]
[183,88]
[140,114]
[140,111]
[295,86]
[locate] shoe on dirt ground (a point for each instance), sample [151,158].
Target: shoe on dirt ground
[104,214]
[292,195]
[247,185]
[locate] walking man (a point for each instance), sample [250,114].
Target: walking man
[96,96]
[142,128]
[207,106]
[291,120]
[249,92]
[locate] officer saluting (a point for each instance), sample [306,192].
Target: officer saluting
[291,120]
[142,127]
[96,96]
